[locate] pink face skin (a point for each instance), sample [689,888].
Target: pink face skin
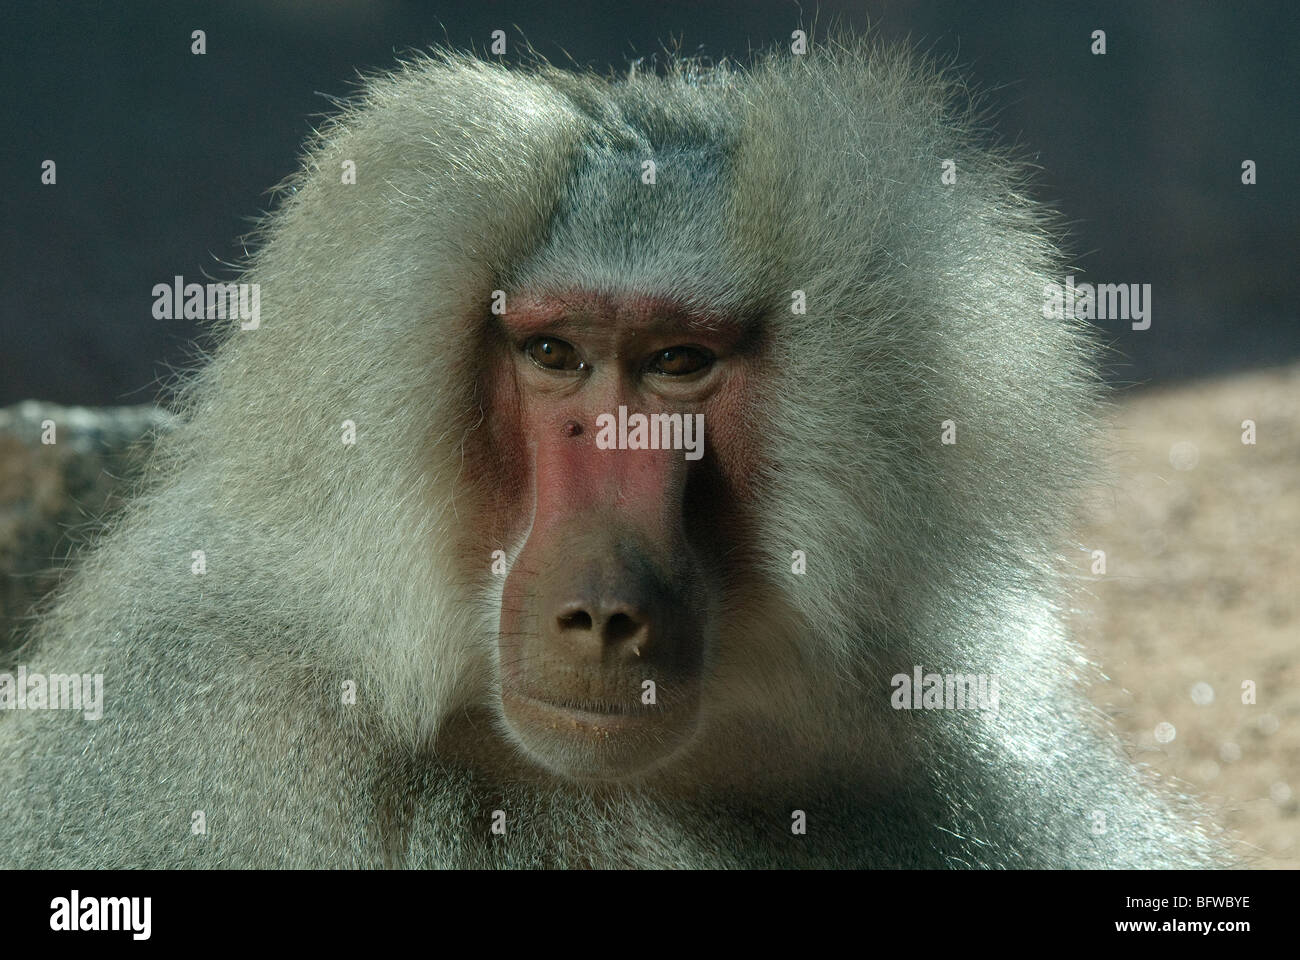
[618,579]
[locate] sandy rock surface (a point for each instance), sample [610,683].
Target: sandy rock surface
[1202,539]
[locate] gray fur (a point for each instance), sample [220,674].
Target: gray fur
[329,563]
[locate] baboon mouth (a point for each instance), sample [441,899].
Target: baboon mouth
[577,706]
[575,714]
[595,740]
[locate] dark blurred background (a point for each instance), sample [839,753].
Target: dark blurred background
[164,157]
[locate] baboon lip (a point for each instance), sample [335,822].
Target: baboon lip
[592,742]
[595,715]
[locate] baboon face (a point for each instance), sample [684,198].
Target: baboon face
[610,610]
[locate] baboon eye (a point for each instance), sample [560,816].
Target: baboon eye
[680,361]
[553,354]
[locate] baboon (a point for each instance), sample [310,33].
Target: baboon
[409,585]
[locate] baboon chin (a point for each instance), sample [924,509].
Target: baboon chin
[607,451]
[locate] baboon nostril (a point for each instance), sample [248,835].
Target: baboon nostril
[620,627]
[578,620]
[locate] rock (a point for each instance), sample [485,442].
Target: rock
[55,497]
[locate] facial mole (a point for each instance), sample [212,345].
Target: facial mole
[572,428]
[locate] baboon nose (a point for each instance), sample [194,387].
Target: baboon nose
[615,626]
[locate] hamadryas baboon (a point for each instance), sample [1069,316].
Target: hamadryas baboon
[583,492]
